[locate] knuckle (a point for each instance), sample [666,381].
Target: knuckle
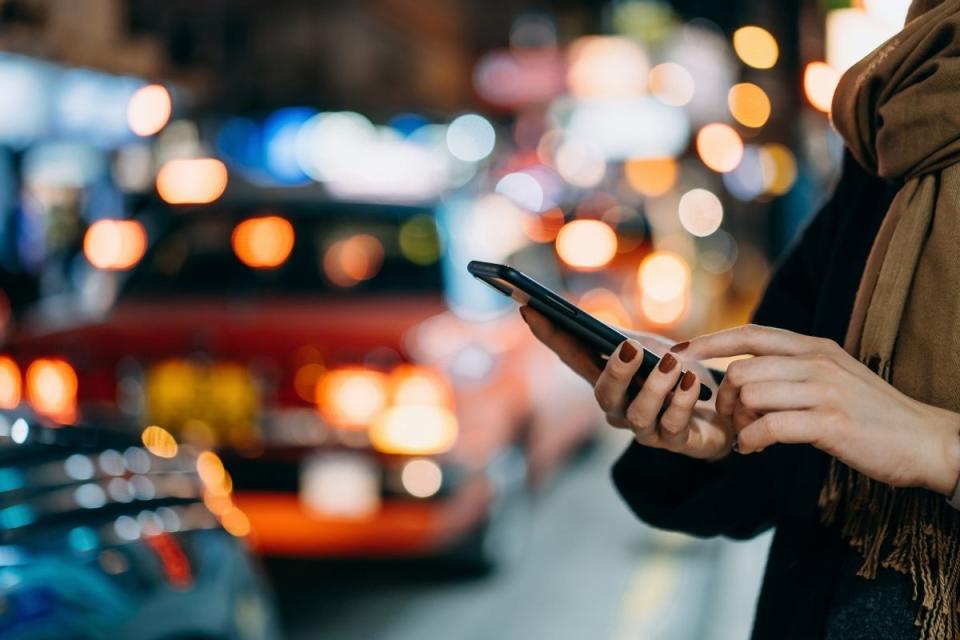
[672,423]
[750,396]
[602,397]
[636,420]
[735,373]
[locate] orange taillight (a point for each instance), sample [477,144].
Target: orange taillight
[52,388]
[11,384]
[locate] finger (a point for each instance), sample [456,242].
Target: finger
[750,339]
[643,411]
[780,426]
[759,369]
[610,389]
[583,361]
[675,421]
[743,417]
[779,396]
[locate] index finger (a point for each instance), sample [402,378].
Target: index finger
[747,339]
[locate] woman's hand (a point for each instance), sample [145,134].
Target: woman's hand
[803,389]
[659,416]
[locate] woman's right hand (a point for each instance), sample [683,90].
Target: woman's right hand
[659,416]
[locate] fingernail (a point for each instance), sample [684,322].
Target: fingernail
[667,363]
[680,346]
[736,446]
[627,352]
[687,381]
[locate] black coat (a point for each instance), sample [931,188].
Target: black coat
[811,292]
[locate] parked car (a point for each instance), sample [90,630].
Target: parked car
[100,538]
[311,344]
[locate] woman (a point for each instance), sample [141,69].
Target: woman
[851,453]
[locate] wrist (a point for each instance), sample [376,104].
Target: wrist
[945,468]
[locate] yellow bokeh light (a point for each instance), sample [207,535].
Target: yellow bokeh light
[756,47]
[52,388]
[10,383]
[414,430]
[651,176]
[720,147]
[819,83]
[149,110]
[778,167]
[663,276]
[192,181]
[116,245]
[235,522]
[264,242]
[419,240]
[159,442]
[672,84]
[351,398]
[701,212]
[586,244]
[214,476]
[418,385]
[749,104]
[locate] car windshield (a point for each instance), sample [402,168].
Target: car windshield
[328,249]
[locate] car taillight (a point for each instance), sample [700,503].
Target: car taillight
[51,386]
[11,383]
[351,398]
[408,411]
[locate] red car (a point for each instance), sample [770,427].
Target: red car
[311,346]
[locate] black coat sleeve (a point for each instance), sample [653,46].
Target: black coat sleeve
[736,496]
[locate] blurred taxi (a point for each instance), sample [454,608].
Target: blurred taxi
[311,344]
[101,538]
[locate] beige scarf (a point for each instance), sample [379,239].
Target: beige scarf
[898,111]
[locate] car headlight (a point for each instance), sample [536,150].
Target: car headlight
[414,430]
[52,388]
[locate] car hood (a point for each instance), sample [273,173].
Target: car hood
[340,329]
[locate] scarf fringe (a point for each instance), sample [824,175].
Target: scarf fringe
[907,530]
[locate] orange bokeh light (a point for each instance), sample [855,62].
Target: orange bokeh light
[352,397]
[720,147]
[11,384]
[663,312]
[116,245]
[52,388]
[192,181]
[756,47]
[352,260]
[159,442]
[586,244]
[543,227]
[819,84]
[264,242]
[651,176]
[749,104]
[605,305]
[149,110]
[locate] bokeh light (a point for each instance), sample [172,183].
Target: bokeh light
[749,105]
[264,242]
[419,240]
[192,181]
[149,110]
[756,47]
[414,430]
[212,473]
[114,245]
[523,189]
[651,176]
[607,67]
[351,398]
[235,522]
[586,244]
[672,84]
[605,305]
[579,165]
[663,276]
[543,227]
[720,147]
[51,385]
[10,383]
[701,212]
[471,137]
[352,260]
[778,167]
[746,182]
[819,84]
[663,312]
[421,478]
[159,441]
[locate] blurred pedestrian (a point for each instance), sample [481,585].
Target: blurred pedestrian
[852,453]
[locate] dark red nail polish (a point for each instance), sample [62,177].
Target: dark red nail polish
[680,346]
[627,352]
[688,378]
[667,363]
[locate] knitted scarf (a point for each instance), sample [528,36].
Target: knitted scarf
[898,110]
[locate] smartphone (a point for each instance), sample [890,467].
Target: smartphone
[603,338]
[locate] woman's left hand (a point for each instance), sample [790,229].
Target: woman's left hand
[800,389]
